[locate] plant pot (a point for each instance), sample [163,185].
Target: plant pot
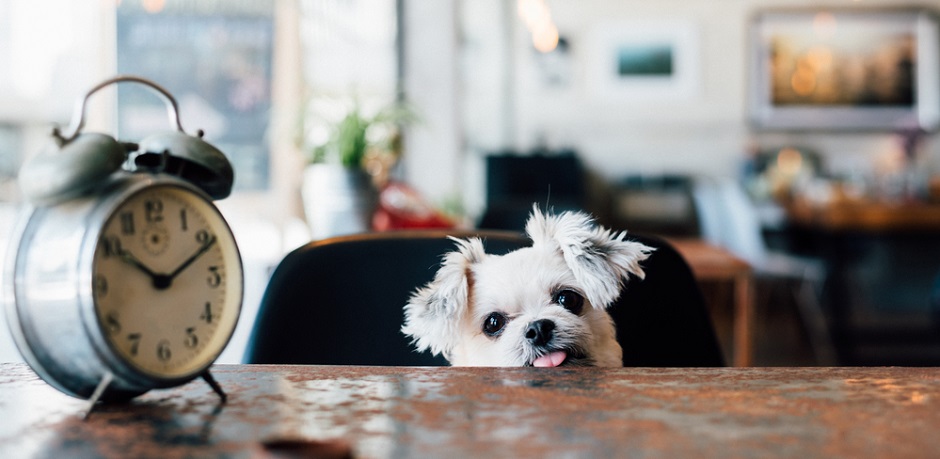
[337,200]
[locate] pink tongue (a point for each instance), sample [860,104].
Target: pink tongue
[550,360]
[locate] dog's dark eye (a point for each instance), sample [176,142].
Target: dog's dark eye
[494,323]
[570,300]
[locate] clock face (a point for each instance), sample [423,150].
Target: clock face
[166,282]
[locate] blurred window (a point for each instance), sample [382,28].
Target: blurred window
[215,58]
[350,60]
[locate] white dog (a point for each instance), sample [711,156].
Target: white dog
[542,306]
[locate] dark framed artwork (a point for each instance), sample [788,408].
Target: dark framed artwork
[643,60]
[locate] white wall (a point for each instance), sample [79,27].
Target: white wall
[702,131]
[433,146]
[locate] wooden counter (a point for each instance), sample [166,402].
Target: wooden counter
[881,261]
[868,216]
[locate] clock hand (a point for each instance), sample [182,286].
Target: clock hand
[163,281]
[130,259]
[159,281]
[191,259]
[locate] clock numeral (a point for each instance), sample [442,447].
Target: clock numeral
[215,278]
[202,237]
[134,338]
[207,313]
[127,222]
[191,339]
[114,326]
[184,224]
[163,351]
[101,285]
[112,246]
[153,210]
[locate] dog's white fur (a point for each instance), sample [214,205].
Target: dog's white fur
[569,252]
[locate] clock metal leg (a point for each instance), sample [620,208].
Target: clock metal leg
[214,385]
[99,391]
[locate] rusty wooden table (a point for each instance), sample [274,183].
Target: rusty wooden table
[302,411]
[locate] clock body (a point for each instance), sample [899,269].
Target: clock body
[140,282]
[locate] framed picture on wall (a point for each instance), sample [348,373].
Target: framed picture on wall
[845,70]
[643,60]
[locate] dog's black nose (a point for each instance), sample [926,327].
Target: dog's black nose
[539,332]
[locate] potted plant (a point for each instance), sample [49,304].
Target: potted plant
[340,183]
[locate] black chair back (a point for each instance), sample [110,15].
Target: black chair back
[341,301]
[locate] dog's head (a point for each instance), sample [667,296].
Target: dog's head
[542,305]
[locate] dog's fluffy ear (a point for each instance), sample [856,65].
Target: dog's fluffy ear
[600,260]
[434,312]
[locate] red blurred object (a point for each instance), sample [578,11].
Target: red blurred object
[402,207]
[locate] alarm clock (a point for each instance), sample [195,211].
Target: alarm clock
[122,275]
